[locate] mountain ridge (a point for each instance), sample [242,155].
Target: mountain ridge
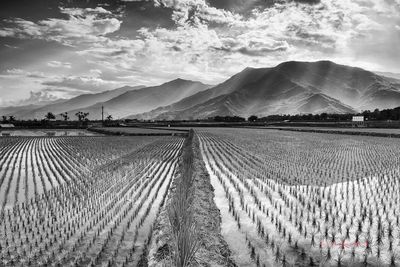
[80,101]
[145,99]
[292,87]
[288,88]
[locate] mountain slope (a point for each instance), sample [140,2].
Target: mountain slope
[77,102]
[146,99]
[320,103]
[390,75]
[350,85]
[20,111]
[229,86]
[241,103]
[289,88]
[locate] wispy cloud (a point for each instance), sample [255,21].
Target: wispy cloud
[58,64]
[85,83]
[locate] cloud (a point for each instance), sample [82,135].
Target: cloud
[85,83]
[82,26]
[210,43]
[58,64]
[210,40]
[15,71]
[25,87]
[96,72]
[195,12]
[36,98]
[17,85]
[11,46]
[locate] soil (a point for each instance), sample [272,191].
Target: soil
[213,250]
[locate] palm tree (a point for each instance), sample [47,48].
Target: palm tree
[50,116]
[82,115]
[109,118]
[65,116]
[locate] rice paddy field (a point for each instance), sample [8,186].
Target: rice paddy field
[138,131]
[393,131]
[377,132]
[81,201]
[303,199]
[216,197]
[47,132]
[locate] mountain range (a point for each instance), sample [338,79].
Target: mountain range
[38,111]
[144,99]
[289,88]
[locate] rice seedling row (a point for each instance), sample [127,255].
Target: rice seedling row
[100,216]
[32,165]
[289,212]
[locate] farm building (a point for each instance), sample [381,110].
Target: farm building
[358,121]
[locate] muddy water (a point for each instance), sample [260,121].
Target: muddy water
[148,223]
[47,133]
[14,184]
[158,172]
[233,236]
[6,173]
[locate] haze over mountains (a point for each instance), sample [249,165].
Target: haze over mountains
[146,99]
[289,88]
[57,107]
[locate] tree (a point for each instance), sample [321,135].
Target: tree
[50,116]
[11,118]
[229,119]
[252,118]
[4,118]
[65,116]
[109,118]
[82,116]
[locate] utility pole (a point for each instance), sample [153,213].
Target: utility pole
[102,115]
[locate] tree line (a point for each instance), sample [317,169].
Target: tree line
[376,115]
[81,116]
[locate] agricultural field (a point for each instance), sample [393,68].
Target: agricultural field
[82,201]
[215,197]
[140,131]
[303,199]
[383,132]
[47,132]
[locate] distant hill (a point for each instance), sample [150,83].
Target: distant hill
[289,88]
[146,99]
[78,102]
[18,111]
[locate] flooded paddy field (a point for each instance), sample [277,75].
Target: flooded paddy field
[46,132]
[83,201]
[214,197]
[292,198]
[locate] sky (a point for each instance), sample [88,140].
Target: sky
[59,49]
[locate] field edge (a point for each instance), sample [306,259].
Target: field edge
[213,249]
